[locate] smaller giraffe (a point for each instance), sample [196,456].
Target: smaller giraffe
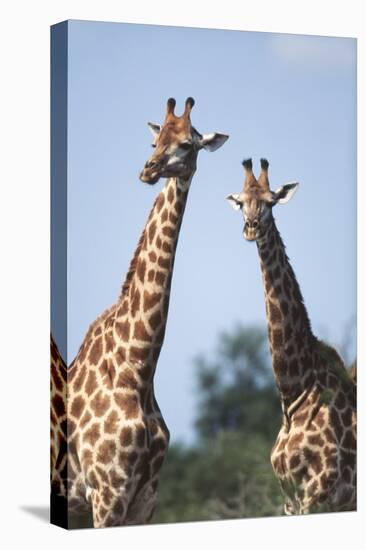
[314,456]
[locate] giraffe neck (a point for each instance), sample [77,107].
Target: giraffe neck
[144,300]
[290,337]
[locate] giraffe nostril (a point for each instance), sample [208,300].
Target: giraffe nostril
[152,164]
[255,224]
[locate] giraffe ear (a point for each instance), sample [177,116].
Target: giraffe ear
[211,142]
[234,201]
[154,129]
[285,193]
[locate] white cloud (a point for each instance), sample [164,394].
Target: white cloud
[319,51]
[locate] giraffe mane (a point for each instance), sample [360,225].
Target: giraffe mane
[125,288]
[102,317]
[132,268]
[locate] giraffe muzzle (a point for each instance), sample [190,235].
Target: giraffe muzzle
[152,172]
[250,230]
[149,178]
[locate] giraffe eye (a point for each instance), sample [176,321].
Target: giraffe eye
[153,145]
[185,145]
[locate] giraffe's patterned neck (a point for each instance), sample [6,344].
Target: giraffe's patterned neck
[289,331]
[142,310]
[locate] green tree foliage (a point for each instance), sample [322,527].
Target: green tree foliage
[227,472]
[236,390]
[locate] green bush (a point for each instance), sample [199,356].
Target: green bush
[227,473]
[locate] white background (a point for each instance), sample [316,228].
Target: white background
[24,272]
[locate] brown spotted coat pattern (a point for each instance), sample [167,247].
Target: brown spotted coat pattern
[116,435]
[117,438]
[58,420]
[314,456]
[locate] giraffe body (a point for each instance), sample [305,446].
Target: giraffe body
[314,456]
[116,435]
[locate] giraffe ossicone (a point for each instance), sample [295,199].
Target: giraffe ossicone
[116,436]
[314,456]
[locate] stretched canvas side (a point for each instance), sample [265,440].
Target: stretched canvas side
[58,396]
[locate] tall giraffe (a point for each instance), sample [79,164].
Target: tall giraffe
[314,456]
[116,435]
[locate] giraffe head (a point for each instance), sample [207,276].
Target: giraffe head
[176,145]
[257,200]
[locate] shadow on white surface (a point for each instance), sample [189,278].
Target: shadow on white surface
[40,512]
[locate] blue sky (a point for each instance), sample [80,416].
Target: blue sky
[289,98]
